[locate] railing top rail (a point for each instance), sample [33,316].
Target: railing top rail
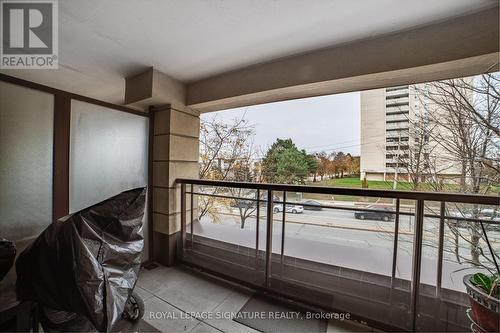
[411,195]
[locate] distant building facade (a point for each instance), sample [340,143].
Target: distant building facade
[395,132]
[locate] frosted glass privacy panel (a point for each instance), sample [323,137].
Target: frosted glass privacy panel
[108,153]
[26,140]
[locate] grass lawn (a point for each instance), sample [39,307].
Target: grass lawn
[355,182]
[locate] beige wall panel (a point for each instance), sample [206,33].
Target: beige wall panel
[162,122]
[184,124]
[160,148]
[168,200]
[160,174]
[183,148]
[182,170]
[160,223]
[161,200]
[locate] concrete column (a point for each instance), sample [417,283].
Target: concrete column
[175,155]
[175,146]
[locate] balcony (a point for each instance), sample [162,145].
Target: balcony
[396,102]
[397,131]
[396,123]
[398,109]
[392,158]
[106,121]
[397,273]
[396,89]
[396,117]
[396,93]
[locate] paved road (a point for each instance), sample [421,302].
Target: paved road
[343,226]
[336,237]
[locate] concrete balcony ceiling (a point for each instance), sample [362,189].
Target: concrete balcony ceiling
[103,42]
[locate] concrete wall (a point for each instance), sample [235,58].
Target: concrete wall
[372,132]
[461,46]
[154,88]
[175,155]
[373,176]
[175,150]
[458,47]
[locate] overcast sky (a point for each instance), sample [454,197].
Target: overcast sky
[325,123]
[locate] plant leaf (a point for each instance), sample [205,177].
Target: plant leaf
[482,281]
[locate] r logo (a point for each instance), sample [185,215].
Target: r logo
[27,27]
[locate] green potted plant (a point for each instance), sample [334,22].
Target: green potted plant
[484,294]
[484,297]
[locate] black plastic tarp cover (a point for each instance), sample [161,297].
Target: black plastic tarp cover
[87,262]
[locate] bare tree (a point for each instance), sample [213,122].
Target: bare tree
[467,123]
[242,172]
[456,133]
[226,153]
[464,117]
[416,156]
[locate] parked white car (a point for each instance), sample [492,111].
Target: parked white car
[294,209]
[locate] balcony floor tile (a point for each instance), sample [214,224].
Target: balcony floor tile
[170,294]
[145,295]
[166,324]
[193,293]
[178,292]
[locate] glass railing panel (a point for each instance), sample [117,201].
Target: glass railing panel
[376,257]
[345,245]
[454,246]
[224,230]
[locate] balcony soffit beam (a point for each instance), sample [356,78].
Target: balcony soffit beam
[461,46]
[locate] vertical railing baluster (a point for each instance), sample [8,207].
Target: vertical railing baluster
[192,216]
[417,261]
[394,254]
[439,276]
[283,230]
[269,238]
[257,227]
[183,220]
[395,248]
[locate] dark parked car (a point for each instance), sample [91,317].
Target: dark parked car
[312,205]
[382,213]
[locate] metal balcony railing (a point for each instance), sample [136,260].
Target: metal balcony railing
[397,93]
[399,88]
[400,125]
[397,109]
[403,281]
[396,118]
[397,133]
[395,102]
